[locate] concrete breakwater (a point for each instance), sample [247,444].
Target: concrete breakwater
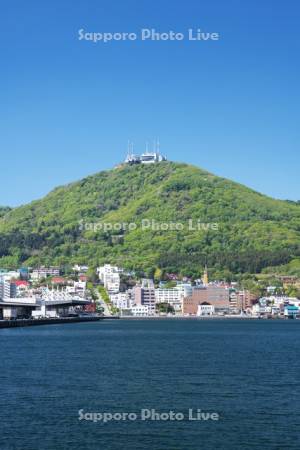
[48,321]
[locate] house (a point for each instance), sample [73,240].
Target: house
[58,280]
[83,278]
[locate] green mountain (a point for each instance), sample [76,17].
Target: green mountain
[240,229]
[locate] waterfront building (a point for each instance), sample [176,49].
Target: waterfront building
[261,309]
[13,308]
[214,295]
[144,295]
[279,301]
[275,310]
[50,303]
[174,296]
[141,311]
[241,300]
[291,311]
[205,309]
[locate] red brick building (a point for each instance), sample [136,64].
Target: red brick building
[212,295]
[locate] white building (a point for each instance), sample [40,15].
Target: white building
[106,270]
[9,275]
[44,272]
[55,295]
[205,309]
[145,158]
[42,312]
[16,306]
[21,300]
[141,311]
[174,296]
[112,283]
[110,276]
[258,309]
[48,304]
[277,300]
[151,157]
[78,287]
[81,269]
[7,288]
[121,300]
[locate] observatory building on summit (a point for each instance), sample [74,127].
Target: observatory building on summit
[145,158]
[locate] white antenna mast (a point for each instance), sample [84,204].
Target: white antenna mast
[128,148]
[157,145]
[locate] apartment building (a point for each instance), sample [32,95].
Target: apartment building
[110,276]
[7,289]
[144,294]
[44,272]
[174,296]
[241,300]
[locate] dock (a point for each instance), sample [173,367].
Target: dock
[49,321]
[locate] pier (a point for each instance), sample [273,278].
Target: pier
[50,321]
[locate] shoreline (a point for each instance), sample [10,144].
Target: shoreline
[48,321]
[203,317]
[65,320]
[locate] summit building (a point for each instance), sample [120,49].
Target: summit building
[145,158]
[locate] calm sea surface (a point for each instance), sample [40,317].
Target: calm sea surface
[247,371]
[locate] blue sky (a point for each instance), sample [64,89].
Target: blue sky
[68,107]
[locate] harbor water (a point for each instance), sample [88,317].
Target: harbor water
[55,377]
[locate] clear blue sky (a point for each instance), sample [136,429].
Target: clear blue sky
[67,107]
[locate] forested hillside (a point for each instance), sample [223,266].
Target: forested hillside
[245,231]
